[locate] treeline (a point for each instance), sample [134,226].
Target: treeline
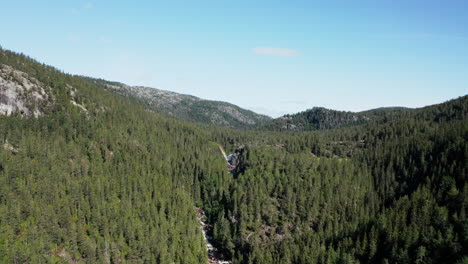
[319,118]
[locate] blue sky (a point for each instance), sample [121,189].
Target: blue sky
[273,57]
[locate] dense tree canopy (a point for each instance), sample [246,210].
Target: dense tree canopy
[118,184]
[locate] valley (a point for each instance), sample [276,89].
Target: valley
[93,174]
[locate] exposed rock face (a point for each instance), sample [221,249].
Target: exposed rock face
[21,93]
[155,96]
[236,164]
[8,147]
[189,107]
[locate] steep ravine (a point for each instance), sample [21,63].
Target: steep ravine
[214,254]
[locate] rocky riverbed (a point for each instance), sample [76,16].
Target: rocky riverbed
[214,255]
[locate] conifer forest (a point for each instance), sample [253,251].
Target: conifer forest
[88,175]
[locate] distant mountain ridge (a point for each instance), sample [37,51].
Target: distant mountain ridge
[319,118]
[186,107]
[22,93]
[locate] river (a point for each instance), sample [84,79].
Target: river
[214,255]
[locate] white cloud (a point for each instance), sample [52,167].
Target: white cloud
[294,102]
[73,37]
[421,36]
[105,39]
[275,51]
[113,22]
[77,10]
[88,5]
[266,111]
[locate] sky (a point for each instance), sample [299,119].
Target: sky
[272,57]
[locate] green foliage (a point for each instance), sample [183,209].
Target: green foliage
[319,118]
[185,107]
[118,184]
[112,184]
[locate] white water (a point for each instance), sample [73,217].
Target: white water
[214,256]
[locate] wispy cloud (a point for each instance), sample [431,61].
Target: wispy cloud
[294,102]
[105,39]
[279,52]
[421,36]
[88,5]
[266,111]
[113,22]
[77,10]
[73,37]
[128,66]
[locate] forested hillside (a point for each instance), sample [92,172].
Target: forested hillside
[96,178]
[390,193]
[106,182]
[319,118]
[186,107]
